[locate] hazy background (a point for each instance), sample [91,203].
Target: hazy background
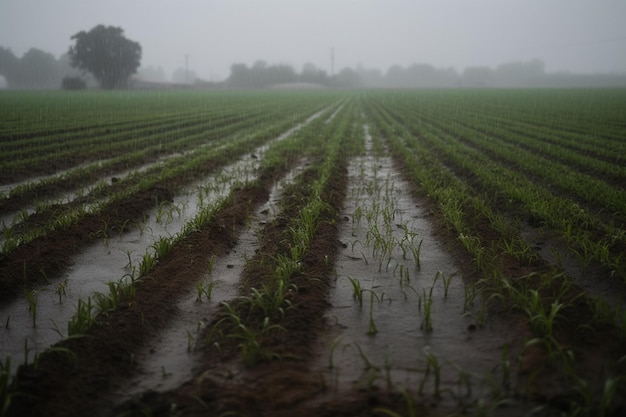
[580,36]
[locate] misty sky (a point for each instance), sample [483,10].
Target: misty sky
[574,35]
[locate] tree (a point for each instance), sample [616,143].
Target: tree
[107,54]
[9,66]
[39,69]
[36,69]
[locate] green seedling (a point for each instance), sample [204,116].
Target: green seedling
[432,363]
[469,293]
[415,250]
[62,289]
[148,262]
[7,389]
[446,282]
[357,291]
[368,365]
[331,351]
[83,318]
[205,290]
[427,324]
[31,297]
[212,261]
[372,326]
[162,248]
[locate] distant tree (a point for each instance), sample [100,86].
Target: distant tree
[370,77]
[280,74]
[107,54]
[260,75]
[347,78]
[520,74]
[9,66]
[396,76]
[240,76]
[477,77]
[311,74]
[38,69]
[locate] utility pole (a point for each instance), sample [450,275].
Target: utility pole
[332,61]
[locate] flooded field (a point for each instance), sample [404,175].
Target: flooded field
[316,253]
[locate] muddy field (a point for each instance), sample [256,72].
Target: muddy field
[313,254]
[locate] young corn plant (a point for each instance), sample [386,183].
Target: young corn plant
[446,282]
[83,318]
[331,351]
[432,363]
[7,392]
[250,338]
[415,251]
[31,297]
[427,323]
[62,289]
[372,325]
[205,290]
[357,291]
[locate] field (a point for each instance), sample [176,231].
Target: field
[319,253]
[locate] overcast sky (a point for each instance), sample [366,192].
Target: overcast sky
[573,35]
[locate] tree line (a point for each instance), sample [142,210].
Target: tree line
[104,57]
[522,74]
[36,69]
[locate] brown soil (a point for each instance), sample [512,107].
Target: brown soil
[78,384]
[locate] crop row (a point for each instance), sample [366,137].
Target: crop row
[483,202]
[129,297]
[479,163]
[154,185]
[47,152]
[525,184]
[286,272]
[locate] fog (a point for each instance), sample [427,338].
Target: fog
[209,36]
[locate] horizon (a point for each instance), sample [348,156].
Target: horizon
[580,37]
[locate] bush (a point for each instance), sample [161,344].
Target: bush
[73,83]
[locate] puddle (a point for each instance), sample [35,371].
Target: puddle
[332,116]
[170,359]
[113,258]
[390,339]
[8,220]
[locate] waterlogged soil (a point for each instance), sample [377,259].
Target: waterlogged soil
[383,332]
[115,254]
[336,356]
[169,360]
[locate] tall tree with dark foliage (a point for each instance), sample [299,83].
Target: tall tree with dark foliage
[107,54]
